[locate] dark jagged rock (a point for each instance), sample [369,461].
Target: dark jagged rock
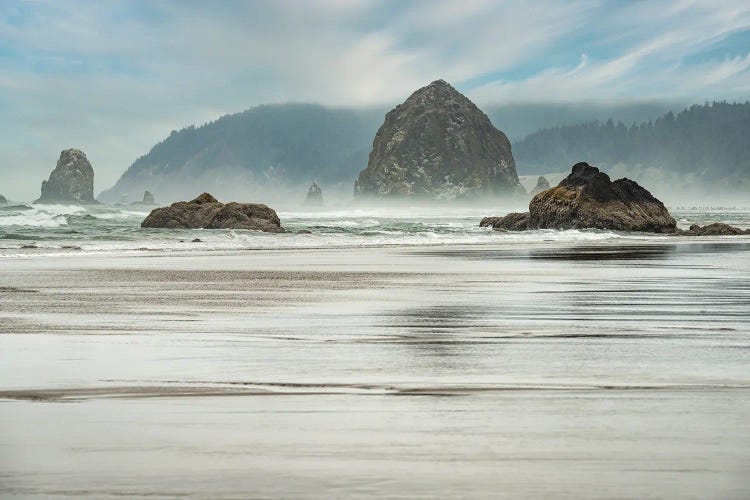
[438,145]
[3,200]
[72,180]
[715,229]
[514,221]
[314,196]
[542,184]
[205,212]
[587,198]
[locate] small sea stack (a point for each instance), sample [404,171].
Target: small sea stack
[147,201]
[71,182]
[206,212]
[3,200]
[542,184]
[148,198]
[314,196]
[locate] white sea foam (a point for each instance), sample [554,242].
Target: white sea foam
[42,216]
[111,229]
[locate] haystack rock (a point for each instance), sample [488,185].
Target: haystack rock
[205,212]
[2,199]
[438,145]
[314,196]
[587,198]
[542,184]
[71,182]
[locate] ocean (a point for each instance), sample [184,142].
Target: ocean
[53,229]
[392,353]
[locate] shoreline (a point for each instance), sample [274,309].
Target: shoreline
[504,239]
[607,367]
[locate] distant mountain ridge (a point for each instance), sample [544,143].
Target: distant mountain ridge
[265,145]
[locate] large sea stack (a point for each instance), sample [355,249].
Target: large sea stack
[71,182]
[206,212]
[587,198]
[438,145]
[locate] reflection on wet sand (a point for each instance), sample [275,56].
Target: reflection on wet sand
[604,251]
[383,372]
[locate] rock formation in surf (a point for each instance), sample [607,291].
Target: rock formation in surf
[514,221]
[205,212]
[148,198]
[71,182]
[438,145]
[314,196]
[2,199]
[542,184]
[587,198]
[715,229]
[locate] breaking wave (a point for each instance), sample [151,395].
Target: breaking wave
[55,229]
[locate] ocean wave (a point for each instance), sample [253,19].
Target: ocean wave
[104,229]
[15,208]
[37,219]
[125,214]
[216,241]
[42,216]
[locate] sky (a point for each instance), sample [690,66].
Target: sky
[115,77]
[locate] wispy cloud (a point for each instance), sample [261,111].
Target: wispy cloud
[115,77]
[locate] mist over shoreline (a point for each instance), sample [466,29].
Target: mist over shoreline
[291,146]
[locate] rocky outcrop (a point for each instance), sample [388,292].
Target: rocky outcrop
[438,145]
[71,182]
[587,198]
[3,200]
[514,221]
[314,196]
[542,184]
[148,200]
[205,212]
[715,229]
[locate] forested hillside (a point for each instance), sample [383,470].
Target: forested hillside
[710,142]
[273,148]
[280,149]
[267,145]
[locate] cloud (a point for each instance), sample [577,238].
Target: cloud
[646,58]
[114,78]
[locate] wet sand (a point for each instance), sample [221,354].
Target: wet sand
[518,371]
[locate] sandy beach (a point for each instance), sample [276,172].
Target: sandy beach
[610,370]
